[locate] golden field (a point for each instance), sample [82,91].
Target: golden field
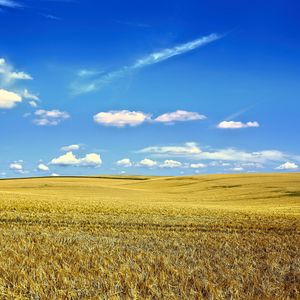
[196,237]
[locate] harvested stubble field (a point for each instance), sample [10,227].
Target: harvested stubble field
[198,237]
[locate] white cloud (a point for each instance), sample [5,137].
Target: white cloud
[55,175]
[9,99]
[237,169]
[16,166]
[125,162]
[219,164]
[197,166]
[237,125]
[153,58]
[185,150]
[146,162]
[288,166]
[43,168]
[69,159]
[33,104]
[169,163]
[165,54]
[10,3]
[193,151]
[50,17]
[90,160]
[179,116]
[50,117]
[87,73]
[250,165]
[9,75]
[70,148]
[121,118]
[27,95]
[32,97]
[20,76]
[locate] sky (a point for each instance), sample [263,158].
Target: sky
[149,87]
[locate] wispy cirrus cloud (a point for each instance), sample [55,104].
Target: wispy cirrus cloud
[50,17]
[192,151]
[10,4]
[79,87]
[165,54]
[9,75]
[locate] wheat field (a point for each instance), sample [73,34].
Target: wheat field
[194,237]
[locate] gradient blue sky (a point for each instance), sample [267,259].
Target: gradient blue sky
[149,87]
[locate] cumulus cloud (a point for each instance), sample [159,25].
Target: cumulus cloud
[16,166]
[237,169]
[237,125]
[69,159]
[288,166]
[150,59]
[125,162]
[193,151]
[197,166]
[9,75]
[50,117]
[9,99]
[146,162]
[149,163]
[121,118]
[90,160]
[179,116]
[70,148]
[43,168]
[169,163]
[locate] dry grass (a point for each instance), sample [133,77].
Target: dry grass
[202,237]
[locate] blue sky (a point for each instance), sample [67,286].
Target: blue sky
[149,87]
